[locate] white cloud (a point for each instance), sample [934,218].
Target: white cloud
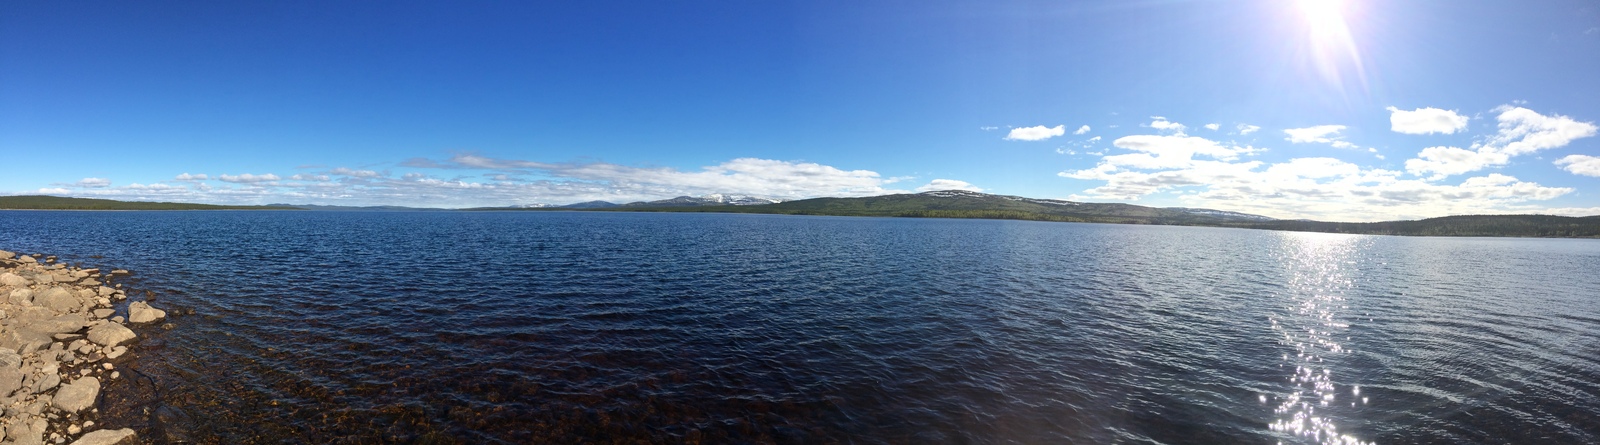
[560,183]
[1581,165]
[1570,211]
[1082,130]
[948,184]
[190,178]
[248,178]
[1161,123]
[1441,162]
[1524,131]
[1426,121]
[1317,134]
[1316,187]
[1245,129]
[1159,152]
[1213,127]
[1521,131]
[355,173]
[988,128]
[93,182]
[1036,133]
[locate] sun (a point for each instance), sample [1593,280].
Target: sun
[1324,18]
[1332,48]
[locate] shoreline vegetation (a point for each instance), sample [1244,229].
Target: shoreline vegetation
[60,341]
[964,205]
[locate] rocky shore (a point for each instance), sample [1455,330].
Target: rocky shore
[60,340]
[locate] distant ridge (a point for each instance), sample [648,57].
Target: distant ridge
[715,199]
[966,204]
[40,202]
[957,204]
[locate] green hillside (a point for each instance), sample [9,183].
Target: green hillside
[36,202]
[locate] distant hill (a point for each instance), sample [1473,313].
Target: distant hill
[964,204]
[352,208]
[1537,226]
[715,199]
[37,202]
[960,204]
[589,205]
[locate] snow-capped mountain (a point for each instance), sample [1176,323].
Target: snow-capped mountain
[714,199]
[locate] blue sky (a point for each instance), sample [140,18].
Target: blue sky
[1335,110]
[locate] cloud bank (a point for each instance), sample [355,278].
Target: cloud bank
[1214,174]
[469,180]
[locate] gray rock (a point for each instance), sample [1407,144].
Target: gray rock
[103,313]
[10,359]
[141,312]
[51,379]
[58,299]
[106,437]
[28,432]
[60,324]
[11,279]
[78,395]
[110,334]
[10,380]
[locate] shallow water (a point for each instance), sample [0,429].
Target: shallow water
[518,327]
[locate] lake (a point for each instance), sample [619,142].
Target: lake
[529,327]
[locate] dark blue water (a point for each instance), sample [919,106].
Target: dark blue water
[614,327]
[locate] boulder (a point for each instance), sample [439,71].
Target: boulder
[21,297]
[141,312]
[58,299]
[103,313]
[11,279]
[110,334]
[27,259]
[6,254]
[106,437]
[60,324]
[78,395]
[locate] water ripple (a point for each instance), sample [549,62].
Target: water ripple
[560,327]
